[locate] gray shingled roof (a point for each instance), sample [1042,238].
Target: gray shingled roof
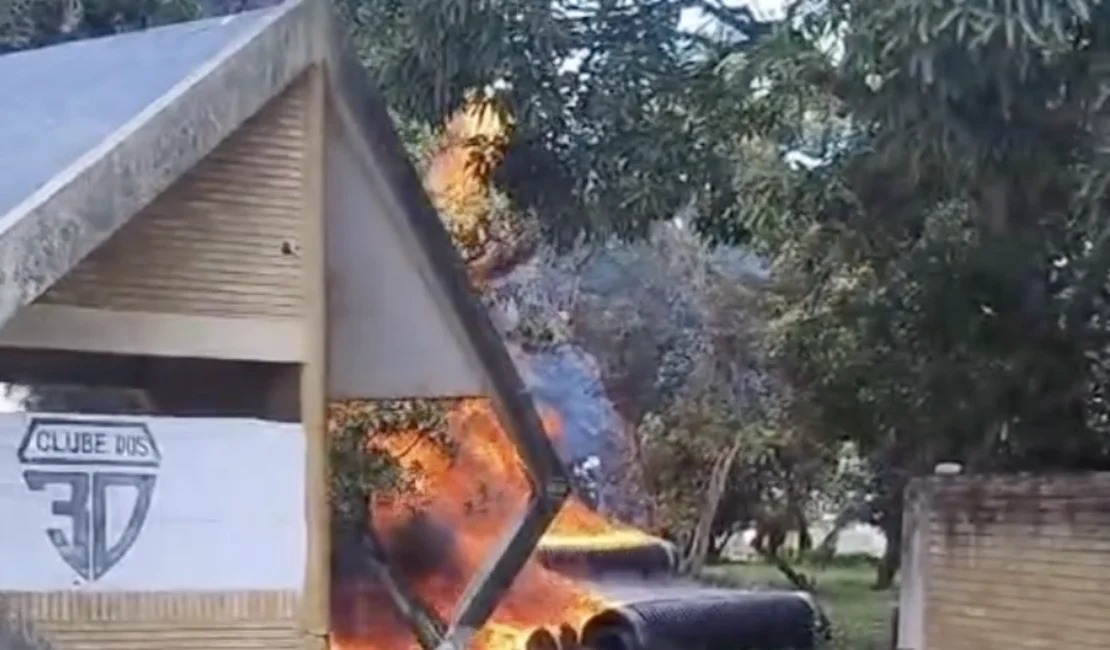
[70,98]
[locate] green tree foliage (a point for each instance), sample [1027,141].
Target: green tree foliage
[358,468]
[35,23]
[677,347]
[607,95]
[943,266]
[948,232]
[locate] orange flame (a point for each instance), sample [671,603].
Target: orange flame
[441,530]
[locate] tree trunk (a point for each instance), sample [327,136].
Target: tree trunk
[805,540]
[638,473]
[888,566]
[796,578]
[759,540]
[892,556]
[826,549]
[698,548]
[795,512]
[717,546]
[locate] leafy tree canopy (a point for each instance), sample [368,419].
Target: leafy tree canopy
[36,23]
[608,98]
[944,264]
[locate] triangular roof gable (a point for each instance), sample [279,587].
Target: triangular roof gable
[428,246]
[49,231]
[89,177]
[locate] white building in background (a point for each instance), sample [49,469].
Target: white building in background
[855,540]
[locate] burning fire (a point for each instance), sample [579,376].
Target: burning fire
[438,533]
[458,509]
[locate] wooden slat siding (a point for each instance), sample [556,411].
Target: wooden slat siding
[163,620]
[218,241]
[1019,562]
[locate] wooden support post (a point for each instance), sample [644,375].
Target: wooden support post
[314,374]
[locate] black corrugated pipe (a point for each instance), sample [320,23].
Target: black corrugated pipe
[741,620]
[541,639]
[655,558]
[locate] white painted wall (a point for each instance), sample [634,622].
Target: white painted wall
[227,503]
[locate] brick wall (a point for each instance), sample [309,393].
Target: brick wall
[998,563]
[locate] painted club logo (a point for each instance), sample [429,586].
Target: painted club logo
[100,462]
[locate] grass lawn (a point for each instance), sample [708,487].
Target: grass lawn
[860,616]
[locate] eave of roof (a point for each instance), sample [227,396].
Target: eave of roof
[77,207]
[71,98]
